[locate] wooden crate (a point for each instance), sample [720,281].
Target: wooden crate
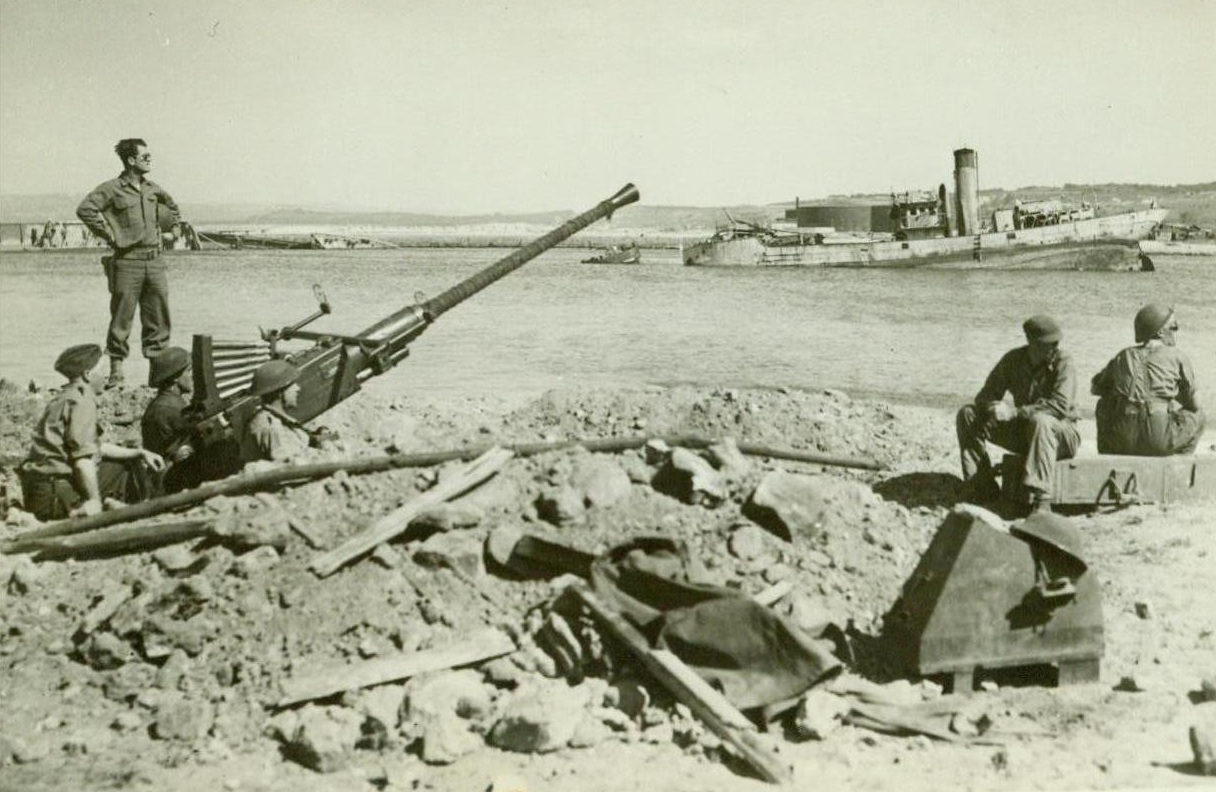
[1112,480]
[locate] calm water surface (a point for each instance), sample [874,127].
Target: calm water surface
[918,336]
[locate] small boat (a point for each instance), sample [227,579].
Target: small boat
[617,254]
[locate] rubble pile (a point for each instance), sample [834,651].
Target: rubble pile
[428,649]
[187,648]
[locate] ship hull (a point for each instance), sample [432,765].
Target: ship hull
[1101,242]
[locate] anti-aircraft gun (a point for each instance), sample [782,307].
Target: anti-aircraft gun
[337,365]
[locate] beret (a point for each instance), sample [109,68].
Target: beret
[77,360]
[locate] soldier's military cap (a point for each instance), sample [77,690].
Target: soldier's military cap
[77,360]
[167,365]
[1042,328]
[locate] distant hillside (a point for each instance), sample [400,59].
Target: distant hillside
[1189,204]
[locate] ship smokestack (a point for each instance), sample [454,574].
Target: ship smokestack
[966,191]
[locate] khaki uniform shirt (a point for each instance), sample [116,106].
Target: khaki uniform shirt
[163,427]
[1050,387]
[1149,373]
[127,212]
[270,435]
[66,432]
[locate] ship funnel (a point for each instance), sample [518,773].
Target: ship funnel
[966,191]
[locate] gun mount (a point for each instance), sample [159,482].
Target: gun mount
[335,367]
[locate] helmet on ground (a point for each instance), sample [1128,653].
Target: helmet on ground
[1150,319]
[76,361]
[1055,532]
[166,366]
[273,375]
[1042,328]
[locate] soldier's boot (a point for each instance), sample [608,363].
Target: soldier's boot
[116,377]
[1040,502]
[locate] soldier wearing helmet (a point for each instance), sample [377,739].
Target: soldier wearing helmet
[69,470]
[1041,424]
[1147,396]
[272,433]
[164,427]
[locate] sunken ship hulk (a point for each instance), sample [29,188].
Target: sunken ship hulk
[928,229]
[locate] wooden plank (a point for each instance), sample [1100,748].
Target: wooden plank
[481,645]
[476,472]
[722,717]
[119,539]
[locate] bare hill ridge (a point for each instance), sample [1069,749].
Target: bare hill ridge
[1189,203]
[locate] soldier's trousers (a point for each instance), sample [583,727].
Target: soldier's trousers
[1041,439]
[142,284]
[52,497]
[1146,430]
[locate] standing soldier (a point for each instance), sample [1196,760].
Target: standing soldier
[129,213]
[1147,397]
[69,471]
[1041,424]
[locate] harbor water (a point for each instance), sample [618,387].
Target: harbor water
[918,336]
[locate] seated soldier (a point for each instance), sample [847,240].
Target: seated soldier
[69,472]
[1041,424]
[272,433]
[164,427]
[1147,402]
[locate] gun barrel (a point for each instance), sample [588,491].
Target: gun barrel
[462,291]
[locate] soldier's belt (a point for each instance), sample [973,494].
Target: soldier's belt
[145,254]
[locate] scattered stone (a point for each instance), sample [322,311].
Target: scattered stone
[381,704]
[169,675]
[127,721]
[600,481]
[1144,610]
[656,452]
[446,737]
[689,478]
[254,529]
[636,469]
[819,714]
[113,599]
[629,696]
[502,672]
[177,558]
[775,573]
[255,562]
[103,651]
[1207,691]
[323,738]
[460,551]
[728,459]
[126,683]
[542,716]
[1201,747]
[789,504]
[746,542]
[561,506]
[448,517]
[179,718]
[461,692]
[29,751]
[25,576]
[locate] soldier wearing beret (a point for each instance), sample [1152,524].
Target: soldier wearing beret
[164,426]
[69,471]
[1041,424]
[1148,402]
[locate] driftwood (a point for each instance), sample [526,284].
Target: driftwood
[270,479]
[118,539]
[722,717]
[395,522]
[481,645]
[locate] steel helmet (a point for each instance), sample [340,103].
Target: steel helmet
[1150,319]
[273,375]
[167,365]
[1055,532]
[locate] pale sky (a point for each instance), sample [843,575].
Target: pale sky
[456,106]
